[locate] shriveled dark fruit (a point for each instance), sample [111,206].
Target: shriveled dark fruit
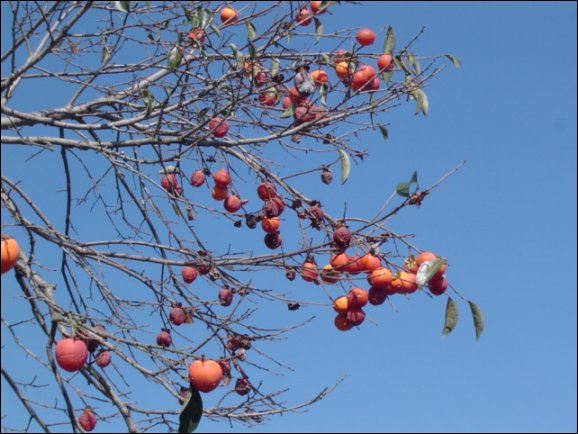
[103,358]
[203,269]
[355,316]
[342,237]
[273,240]
[376,296]
[93,344]
[164,339]
[232,343]
[225,366]
[326,176]
[197,178]
[316,213]
[242,386]
[87,420]
[177,316]
[290,274]
[225,296]
[251,221]
[266,190]
[273,207]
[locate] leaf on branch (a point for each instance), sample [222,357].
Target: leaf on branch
[386,76]
[274,67]
[454,60]
[252,50]
[413,179]
[427,270]
[478,319]
[452,316]
[123,6]
[148,100]
[345,165]
[174,57]
[323,93]
[105,54]
[289,112]
[216,29]
[414,63]
[205,17]
[318,29]
[399,63]
[422,101]
[192,411]
[384,132]
[251,31]
[389,43]
[402,189]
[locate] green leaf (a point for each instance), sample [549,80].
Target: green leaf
[274,67]
[251,32]
[427,270]
[174,57]
[105,54]
[384,132]
[478,319]
[205,16]
[216,29]
[191,413]
[148,100]
[123,6]
[323,93]
[402,189]
[289,36]
[326,59]
[452,316]
[318,29]
[413,179]
[389,44]
[252,50]
[386,76]
[345,165]
[422,102]
[400,64]
[454,60]
[289,112]
[414,63]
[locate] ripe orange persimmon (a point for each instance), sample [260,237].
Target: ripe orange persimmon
[423,257]
[228,15]
[205,375]
[316,7]
[219,193]
[339,261]
[71,354]
[370,262]
[380,278]
[357,297]
[342,70]
[365,36]
[354,265]
[320,76]
[9,253]
[309,271]
[328,274]
[270,225]
[222,178]
[384,62]
[341,304]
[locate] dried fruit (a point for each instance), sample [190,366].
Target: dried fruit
[225,296]
[342,323]
[266,190]
[242,386]
[326,175]
[273,240]
[342,237]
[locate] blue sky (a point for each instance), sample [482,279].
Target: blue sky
[506,222]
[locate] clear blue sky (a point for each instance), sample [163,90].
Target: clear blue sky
[506,221]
